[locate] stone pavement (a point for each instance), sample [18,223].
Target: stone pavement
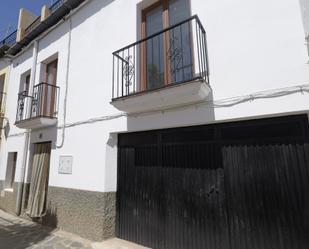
[17,233]
[116,244]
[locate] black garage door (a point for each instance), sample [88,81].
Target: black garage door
[241,185]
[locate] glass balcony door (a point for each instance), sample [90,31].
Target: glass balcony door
[166,58]
[44,95]
[154,48]
[51,80]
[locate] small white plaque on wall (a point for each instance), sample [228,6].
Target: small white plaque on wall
[65,165]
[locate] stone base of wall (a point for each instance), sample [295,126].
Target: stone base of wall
[89,214]
[8,198]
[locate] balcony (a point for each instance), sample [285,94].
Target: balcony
[57,11]
[39,110]
[7,42]
[37,22]
[166,69]
[32,26]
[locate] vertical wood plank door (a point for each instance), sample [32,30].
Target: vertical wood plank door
[267,189]
[37,199]
[240,185]
[171,195]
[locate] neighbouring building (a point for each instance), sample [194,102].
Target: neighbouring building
[3,82]
[169,123]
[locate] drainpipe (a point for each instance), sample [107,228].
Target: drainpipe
[20,189]
[66,81]
[307,43]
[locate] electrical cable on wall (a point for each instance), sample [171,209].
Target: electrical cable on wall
[223,103]
[215,104]
[66,83]
[261,95]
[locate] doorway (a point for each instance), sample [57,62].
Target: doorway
[36,207]
[239,185]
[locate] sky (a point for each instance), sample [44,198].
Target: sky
[9,10]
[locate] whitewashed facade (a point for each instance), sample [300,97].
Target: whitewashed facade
[257,68]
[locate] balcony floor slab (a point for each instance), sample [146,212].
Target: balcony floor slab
[36,123]
[167,97]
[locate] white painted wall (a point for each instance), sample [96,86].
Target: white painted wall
[254,45]
[304,5]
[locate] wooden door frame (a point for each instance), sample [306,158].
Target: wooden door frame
[165,21]
[46,71]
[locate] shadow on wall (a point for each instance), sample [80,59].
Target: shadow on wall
[51,217]
[6,128]
[90,10]
[86,12]
[111,162]
[179,117]
[22,58]
[187,116]
[8,198]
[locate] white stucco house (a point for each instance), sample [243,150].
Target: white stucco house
[168,123]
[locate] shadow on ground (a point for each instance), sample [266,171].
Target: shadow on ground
[19,234]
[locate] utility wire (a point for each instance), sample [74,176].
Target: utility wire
[216,104]
[223,103]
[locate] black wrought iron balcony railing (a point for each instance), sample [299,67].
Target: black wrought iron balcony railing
[23,113]
[175,55]
[10,40]
[56,5]
[43,104]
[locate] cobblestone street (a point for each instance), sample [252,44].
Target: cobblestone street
[16,233]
